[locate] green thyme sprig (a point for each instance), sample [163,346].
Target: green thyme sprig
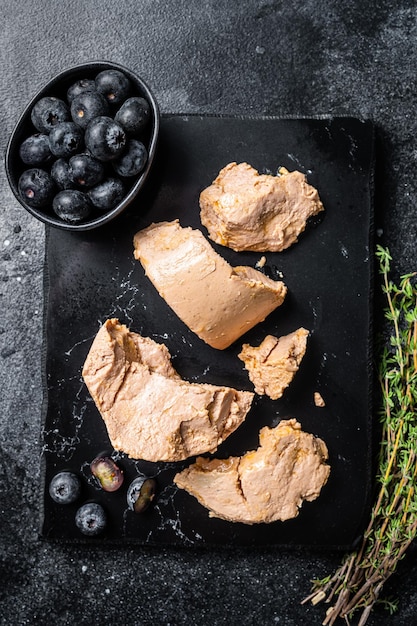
[358,583]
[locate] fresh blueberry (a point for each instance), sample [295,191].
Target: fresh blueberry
[60,174]
[82,85]
[107,195]
[72,206]
[91,519]
[65,488]
[133,159]
[85,170]
[114,86]
[65,139]
[36,187]
[35,149]
[48,112]
[88,105]
[105,138]
[134,115]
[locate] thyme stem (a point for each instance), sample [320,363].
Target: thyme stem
[359,581]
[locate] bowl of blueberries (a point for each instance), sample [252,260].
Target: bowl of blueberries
[84,146]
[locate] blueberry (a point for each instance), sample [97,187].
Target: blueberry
[60,174]
[85,170]
[91,519]
[36,187]
[48,112]
[65,488]
[133,159]
[114,86]
[105,138]
[134,115]
[35,149]
[82,85]
[88,105]
[141,493]
[65,139]
[107,195]
[72,206]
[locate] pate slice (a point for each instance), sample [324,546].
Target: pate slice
[149,411]
[273,364]
[264,485]
[245,210]
[216,301]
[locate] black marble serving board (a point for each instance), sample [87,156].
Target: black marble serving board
[93,276]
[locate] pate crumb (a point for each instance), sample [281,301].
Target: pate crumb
[261,262]
[318,400]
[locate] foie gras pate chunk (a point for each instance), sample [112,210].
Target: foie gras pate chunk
[216,301]
[149,411]
[245,210]
[265,485]
[273,364]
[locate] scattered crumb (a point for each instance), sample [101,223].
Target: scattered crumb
[261,262]
[318,400]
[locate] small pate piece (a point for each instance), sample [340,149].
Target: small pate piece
[318,399]
[245,210]
[149,411]
[264,485]
[273,364]
[218,302]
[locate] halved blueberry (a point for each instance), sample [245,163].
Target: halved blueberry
[141,493]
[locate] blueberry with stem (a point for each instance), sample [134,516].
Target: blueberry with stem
[114,86]
[86,106]
[36,187]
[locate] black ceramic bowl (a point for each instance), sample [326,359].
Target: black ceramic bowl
[58,87]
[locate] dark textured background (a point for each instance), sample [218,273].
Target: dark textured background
[261,57]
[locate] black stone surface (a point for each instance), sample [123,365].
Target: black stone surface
[349,58]
[94,276]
